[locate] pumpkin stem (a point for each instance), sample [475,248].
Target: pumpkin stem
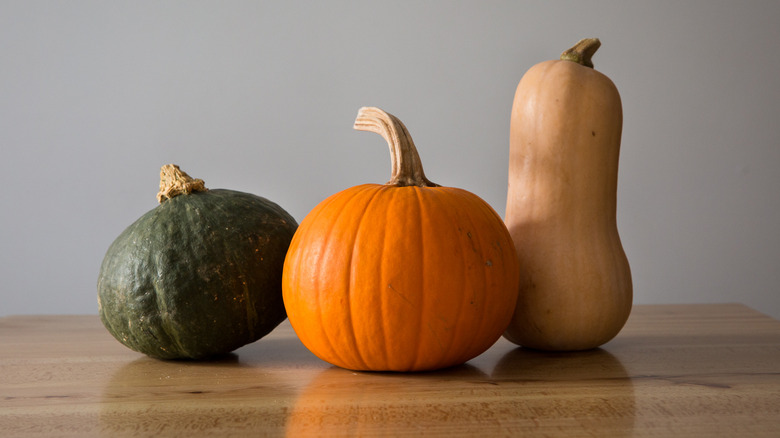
[174,182]
[582,52]
[407,168]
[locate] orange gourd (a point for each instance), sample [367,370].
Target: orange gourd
[566,124]
[405,276]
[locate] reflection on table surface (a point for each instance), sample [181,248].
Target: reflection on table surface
[278,384]
[699,370]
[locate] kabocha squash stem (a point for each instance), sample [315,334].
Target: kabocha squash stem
[406,168]
[582,52]
[174,182]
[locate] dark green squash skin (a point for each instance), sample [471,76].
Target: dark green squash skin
[197,276]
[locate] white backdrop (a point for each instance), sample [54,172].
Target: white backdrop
[260,96]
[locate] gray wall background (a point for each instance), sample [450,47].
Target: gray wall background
[259,96]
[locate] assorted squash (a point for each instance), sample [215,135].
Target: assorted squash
[402,276]
[566,123]
[197,276]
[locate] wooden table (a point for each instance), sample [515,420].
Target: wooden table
[674,370]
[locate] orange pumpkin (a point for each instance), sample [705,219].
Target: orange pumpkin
[405,276]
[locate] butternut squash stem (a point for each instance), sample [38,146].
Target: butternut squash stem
[174,182]
[406,167]
[582,52]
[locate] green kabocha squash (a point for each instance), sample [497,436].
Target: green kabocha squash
[197,276]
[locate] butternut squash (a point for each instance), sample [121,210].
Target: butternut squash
[566,125]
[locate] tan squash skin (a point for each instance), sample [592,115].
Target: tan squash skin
[576,289]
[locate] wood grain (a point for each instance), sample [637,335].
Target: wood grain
[674,370]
